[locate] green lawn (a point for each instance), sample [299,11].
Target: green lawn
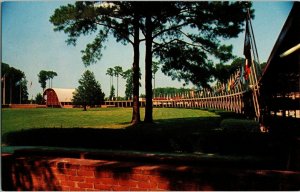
[20,119]
[173,130]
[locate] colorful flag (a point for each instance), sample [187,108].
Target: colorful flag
[237,77]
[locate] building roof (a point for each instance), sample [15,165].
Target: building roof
[63,95]
[281,74]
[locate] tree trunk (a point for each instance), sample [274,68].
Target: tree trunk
[148,73]
[136,73]
[154,85]
[84,107]
[117,87]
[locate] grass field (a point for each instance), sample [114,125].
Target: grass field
[173,130]
[21,119]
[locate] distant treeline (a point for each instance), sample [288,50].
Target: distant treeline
[164,91]
[14,85]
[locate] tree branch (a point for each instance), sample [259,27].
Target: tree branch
[114,28]
[169,29]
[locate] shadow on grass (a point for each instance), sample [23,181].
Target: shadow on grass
[186,135]
[159,136]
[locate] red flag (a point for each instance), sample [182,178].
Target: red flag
[247,70]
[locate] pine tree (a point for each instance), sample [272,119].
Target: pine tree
[89,91]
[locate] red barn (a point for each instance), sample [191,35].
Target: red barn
[58,97]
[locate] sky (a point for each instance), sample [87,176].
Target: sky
[30,44]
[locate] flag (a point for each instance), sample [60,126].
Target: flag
[247,51]
[237,77]
[247,70]
[247,45]
[230,82]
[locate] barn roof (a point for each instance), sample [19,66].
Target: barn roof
[63,95]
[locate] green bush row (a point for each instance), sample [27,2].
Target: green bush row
[240,126]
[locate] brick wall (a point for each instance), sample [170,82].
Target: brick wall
[46,173]
[23,106]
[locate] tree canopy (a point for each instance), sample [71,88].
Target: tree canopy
[15,84]
[222,72]
[118,19]
[183,36]
[44,76]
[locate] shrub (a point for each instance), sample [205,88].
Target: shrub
[240,125]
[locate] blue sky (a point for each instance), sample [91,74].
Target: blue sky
[30,44]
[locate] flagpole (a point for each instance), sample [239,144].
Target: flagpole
[253,35]
[20,92]
[254,70]
[10,100]
[4,81]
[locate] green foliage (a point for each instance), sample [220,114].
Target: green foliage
[117,72]
[84,18]
[112,93]
[89,91]
[222,72]
[92,52]
[166,27]
[110,71]
[39,99]
[169,91]
[155,67]
[15,81]
[44,76]
[239,126]
[129,83]
[186,54]
[128,76]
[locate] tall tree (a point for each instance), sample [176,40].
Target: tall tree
[51,75]
[112,93]
[155,67]
[43,77]
[127,75]
[110,72]
[184,36]
[89,92]
[23,91]
[14,86]
[39,99]
[117,72]
[120,19]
